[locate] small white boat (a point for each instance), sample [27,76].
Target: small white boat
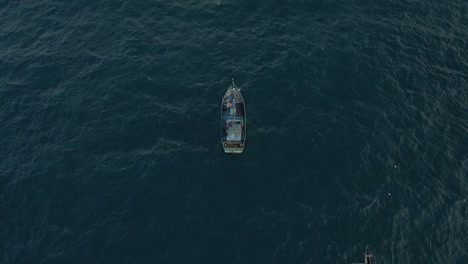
[233,122]
[367,257]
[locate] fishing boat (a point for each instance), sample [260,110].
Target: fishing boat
[233,123]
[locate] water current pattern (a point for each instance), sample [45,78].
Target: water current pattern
[357,124]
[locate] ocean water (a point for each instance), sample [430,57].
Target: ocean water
[357,124]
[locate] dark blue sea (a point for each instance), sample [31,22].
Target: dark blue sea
[357,131]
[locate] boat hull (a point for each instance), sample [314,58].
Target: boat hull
[233,121]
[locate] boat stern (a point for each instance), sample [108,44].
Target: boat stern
[233,147]
[233,150]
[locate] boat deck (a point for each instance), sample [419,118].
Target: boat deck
[232,121]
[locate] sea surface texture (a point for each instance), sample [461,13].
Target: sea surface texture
[357,124]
